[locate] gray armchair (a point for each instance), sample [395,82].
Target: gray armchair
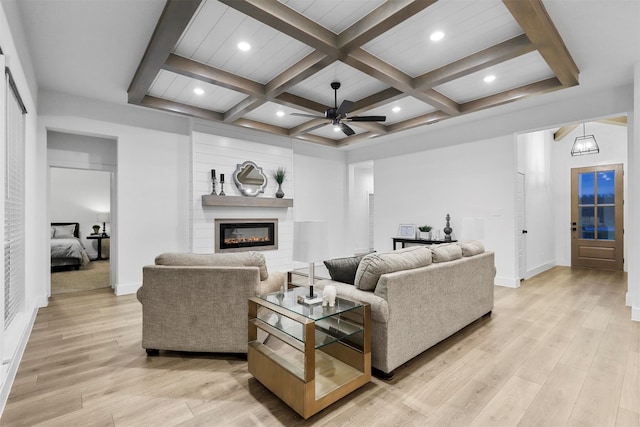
[194,302]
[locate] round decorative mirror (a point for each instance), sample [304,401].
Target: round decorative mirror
[249,179]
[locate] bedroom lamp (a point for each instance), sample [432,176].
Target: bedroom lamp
[585,144]
[311,244]
[104,217]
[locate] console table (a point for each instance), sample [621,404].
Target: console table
[404,241]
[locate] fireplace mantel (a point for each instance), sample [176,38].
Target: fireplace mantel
[264,202]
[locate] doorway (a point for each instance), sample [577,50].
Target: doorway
[597,217]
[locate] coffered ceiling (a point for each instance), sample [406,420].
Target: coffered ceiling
[380,51]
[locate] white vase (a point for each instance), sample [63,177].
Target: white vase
[425,235]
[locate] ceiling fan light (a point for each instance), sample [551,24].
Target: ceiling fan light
[336,128]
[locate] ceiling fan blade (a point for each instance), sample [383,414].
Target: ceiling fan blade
[367,118]
[307,115]
[344,108]
[347,130]
[311,129]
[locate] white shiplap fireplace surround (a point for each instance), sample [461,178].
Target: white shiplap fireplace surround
[224,154]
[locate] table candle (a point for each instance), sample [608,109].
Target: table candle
[221,177]
[213,174]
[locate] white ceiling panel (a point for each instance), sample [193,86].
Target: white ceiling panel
[510,74]
[175,87]
[213,35]
[267,113]
[409,107]
[335,15]
[355,85]
[469,26]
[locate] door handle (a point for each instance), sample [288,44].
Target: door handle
[573,229]
[524,231]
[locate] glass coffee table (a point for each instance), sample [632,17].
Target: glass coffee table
[313,355]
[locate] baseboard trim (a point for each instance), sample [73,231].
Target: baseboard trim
[507,282]
[635,314]
[539,269]
[127,289]
[627,300]
[14,362]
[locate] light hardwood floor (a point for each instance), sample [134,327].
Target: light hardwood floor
[559,351]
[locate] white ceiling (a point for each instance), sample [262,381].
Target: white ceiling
[92,48]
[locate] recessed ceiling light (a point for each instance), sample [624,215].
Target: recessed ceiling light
[396,109]
[336,129]
[437,36]
[198,91]
[280,113]
[489,78]
[244,46]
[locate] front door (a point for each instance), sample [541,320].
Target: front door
[596,217]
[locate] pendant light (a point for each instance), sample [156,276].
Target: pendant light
[585,144]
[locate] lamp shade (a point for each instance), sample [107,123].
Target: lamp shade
[310,241]
[104,216]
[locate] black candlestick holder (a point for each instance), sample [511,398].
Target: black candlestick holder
[222,188]
[213,187]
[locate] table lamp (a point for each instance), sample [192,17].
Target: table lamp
[311,244]
[104,217]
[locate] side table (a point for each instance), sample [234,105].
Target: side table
[99,237]
[314,355]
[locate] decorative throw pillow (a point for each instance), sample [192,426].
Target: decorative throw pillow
[446,252]
[373,266]
[64,231]
[471,248]
[242,259]
[343,269]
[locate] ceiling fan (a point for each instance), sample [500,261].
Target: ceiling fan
[338,115]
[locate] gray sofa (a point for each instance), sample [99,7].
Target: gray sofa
[419,295]
[196,302]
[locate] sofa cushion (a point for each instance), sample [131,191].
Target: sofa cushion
[343,269]
[471,248]
[446,252]
[240,259]
[375,265]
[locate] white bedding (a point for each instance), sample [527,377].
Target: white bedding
[68,247]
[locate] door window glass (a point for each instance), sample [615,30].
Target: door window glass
[586,222]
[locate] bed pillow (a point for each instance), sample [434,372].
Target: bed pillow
[53,232]
[64,231]
[373,266]
[241,259]
[344,269]
[446,252]
[471,248]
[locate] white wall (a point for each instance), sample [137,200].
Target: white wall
[534,161]
[360,186]
[613,149]
[150,212]
[474,180]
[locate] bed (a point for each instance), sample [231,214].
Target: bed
[66,248]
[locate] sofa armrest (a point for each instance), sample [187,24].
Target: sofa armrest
[274,283]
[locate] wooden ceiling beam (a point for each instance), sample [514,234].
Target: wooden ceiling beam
[616,121]
[286,20]
[294,101]
[486,58]
[177,107]
[374,127]
[355,138]
[243,107]
[303,69]
[252,124]
[208,74]
[174,19]
[425,119]
[511,95]
[309,137]
[563,131]
[534,20]
[307,127]
[382,19]
[377,100]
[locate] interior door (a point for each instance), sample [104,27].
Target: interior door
[521,231]
[596,217]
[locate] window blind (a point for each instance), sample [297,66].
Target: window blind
[14,202]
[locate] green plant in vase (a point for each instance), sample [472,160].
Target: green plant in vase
[425,232]
[279,176]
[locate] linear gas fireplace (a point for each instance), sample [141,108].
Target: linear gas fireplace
[237,235]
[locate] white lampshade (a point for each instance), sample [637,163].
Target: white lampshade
[104,216]
[310,241]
